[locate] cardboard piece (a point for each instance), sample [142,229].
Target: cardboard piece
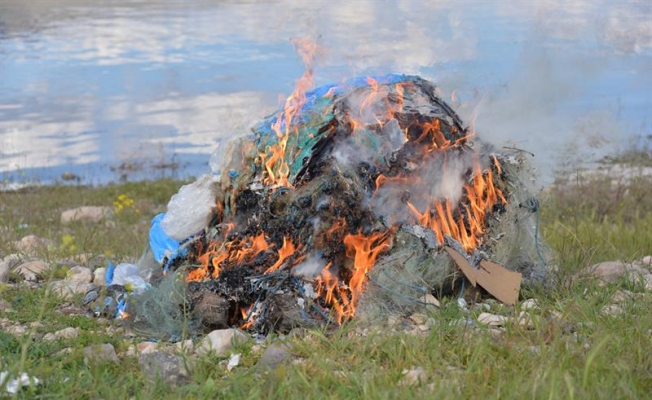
[463,264]
[500,282]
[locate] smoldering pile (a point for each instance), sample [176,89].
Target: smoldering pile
[343,203]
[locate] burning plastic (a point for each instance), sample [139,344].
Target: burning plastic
[364,180]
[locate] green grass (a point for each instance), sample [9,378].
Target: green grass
[572,352]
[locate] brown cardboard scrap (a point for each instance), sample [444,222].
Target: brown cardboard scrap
[500,282]
[465,266]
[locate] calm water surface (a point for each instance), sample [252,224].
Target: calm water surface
[152,88]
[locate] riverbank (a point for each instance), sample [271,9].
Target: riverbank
[586,336]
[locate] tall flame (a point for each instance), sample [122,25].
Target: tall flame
[276,165]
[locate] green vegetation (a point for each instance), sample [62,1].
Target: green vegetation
[571,351]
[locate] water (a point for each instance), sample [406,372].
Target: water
[102,91]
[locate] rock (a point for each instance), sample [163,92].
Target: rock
[131,351]
[418,319]
[647,261]
[32,270]
[90,214]
[525,320]
[275,354]
[166,367]
[99,276]
[79,274]
[146,347]
[609,271]
[67,333]
[4,306]
[5,266]
[186,346]
[67,289]
[622,296]
[32,244]
[234,361]
[492,319]
[530,304]
[430,300]
[49,337]
[100,353]
[611,310]
[413,376]
[222,341]
[15,329]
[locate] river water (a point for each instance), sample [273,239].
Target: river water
[109,90]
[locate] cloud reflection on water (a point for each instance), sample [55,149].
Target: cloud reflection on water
[105,82]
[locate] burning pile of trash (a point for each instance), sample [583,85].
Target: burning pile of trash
[355,199]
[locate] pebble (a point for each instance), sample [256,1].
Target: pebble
[185,346]
[221,341]
[430,300]
[492,319]
[49,337]
[90,214]
[530,304]
[275,354]
[5,307]
[525,320]
[609,271]
[99,276]
[32,270]
[146,347]
[79,274]
[32,245]
[166,367]
[100,353]
[5,267]
[413,376]
[418,318]
[67,333]
[611,310]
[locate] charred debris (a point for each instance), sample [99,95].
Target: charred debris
[356,199]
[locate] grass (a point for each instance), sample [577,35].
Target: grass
[572,351]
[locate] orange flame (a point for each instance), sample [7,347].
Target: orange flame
[247,317]
[482,195]
[364,250]
[276,167]
[286,251]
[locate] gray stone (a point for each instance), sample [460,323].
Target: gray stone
[146,347]
[609,271]
[67,289]
[647,261]
[49,337]
[166,367]
[5,266]
[79,274]
[99,276]
[100,353]
[492,319]
[32,270]
[5,306]
[275,354]
[186,346]
[32,244]
[413,376]
[222,341]
[90,214]
[67,333]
